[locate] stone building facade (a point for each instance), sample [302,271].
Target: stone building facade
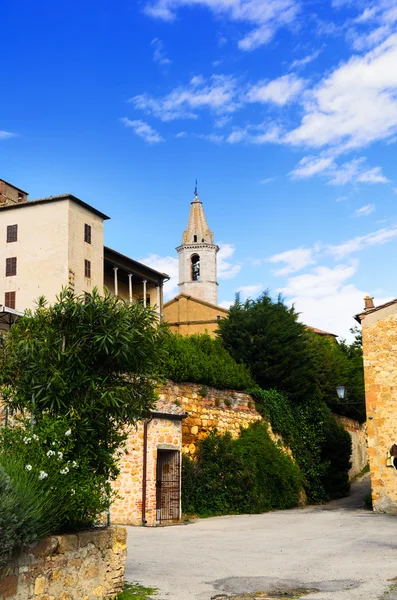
[149,485]
[56,242]
[379,328]
[195,309]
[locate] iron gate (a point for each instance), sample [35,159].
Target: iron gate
[168,485]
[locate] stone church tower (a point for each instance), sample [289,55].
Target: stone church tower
[197,257]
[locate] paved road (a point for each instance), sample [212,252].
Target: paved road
[341,550]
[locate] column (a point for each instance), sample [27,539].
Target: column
[116,283]
[130,286]
[158,299]
[144,292]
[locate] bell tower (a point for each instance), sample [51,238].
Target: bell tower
[197,256]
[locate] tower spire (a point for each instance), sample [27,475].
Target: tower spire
[196,190]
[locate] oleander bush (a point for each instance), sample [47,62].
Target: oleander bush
[249,474]
[77,373]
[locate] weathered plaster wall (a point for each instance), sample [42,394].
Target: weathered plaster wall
[358,434]
[85,566]
[380,370]
[163,433]
[188,316]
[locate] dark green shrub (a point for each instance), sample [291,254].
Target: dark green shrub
[320,446]
[250,474]
[202,359]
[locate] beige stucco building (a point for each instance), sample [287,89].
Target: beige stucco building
[379,329]
[58,241]
[195,309]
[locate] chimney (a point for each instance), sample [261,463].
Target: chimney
[368,303]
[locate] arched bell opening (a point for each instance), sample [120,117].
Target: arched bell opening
[195,262]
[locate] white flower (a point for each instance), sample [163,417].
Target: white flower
[50,453]
[64,471]
[35,437]
[27,440]
[53,443]
[74,464]
[43,475]
[60,455]
[72,492]
[28,467]
[68,432]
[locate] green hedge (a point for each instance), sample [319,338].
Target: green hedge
[320,446]
[250,474]
[202,359]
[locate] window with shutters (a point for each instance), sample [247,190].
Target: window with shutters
[11,266]
[12,233]
[87,269]
[9,299]
[87,233]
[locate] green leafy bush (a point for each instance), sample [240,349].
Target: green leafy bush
[28,509]
[202,359]
[82,370]
[250,474]
[320,446]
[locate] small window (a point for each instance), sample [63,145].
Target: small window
[11,266]
[218,317]
[87,269]
[9,299]
[87,233]
[20,197]
[195,238]
[12,233]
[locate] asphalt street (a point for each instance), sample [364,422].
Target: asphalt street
[338,551]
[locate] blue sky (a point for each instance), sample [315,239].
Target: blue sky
[285,111]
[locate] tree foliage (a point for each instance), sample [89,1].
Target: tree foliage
[79,372]
[250,474]
[269,339]
[202,359]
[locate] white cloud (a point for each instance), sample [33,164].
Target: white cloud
[265,18]
[376,238]
[325,299]
[262,134]
[267,180]
[214,138]
[354,171]
[5,135]
[353,106]
[294,260]
[181,134]
[342,198]
[226,269]
[143,130]
[159,56]
[226,304]
[311,165]
[278,91]
[250,291]
[217,94]
[222,122]
[364,211]
[168,265]
[300,63]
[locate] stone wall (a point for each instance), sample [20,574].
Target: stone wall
[85,566]
[163,433]
[380,370]
[358,434]
[209,409]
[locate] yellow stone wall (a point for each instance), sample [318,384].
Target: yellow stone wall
[225,410]
[188,316]
[380,369]
[162,433]
[86,566]
[358,434]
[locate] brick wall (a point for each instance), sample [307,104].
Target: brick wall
[86,566]
[163,433]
